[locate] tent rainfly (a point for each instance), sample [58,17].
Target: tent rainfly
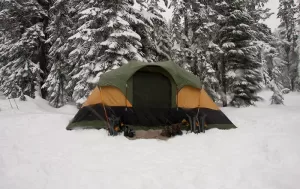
[148,95]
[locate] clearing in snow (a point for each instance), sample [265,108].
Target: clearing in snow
[37,152]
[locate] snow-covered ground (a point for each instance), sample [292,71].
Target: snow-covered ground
[37,152]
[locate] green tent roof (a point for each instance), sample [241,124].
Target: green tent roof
[120,76]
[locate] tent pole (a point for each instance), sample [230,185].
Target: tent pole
[126,97]
[10,104]
[107,121]
[177,97]
[16,104]
[201,85]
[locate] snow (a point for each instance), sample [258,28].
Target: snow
[122,21]
[37,152]
[128,33]
[228,45]
[210,24]
[231,74]
[146,15]
[91,11]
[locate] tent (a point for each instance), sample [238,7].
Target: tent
[148,96]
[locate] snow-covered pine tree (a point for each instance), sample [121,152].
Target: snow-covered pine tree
[273,67]
[2,47]
[257,9]
[204,23]
[59,30]
[23,23]
[85,46]
[281,45]
[287,14]
[104,40]
[121,43]
[196,37]
[272,64]
[258,13]
[153,30]
[194,24]
[160,35]
[21,76]
[181,53]
[298,42]
[241,68]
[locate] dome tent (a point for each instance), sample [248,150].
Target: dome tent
[147,96]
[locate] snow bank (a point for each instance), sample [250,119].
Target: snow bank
[37,152]
[37,105]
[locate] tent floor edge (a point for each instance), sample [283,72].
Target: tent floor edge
[102,125]
[221,126]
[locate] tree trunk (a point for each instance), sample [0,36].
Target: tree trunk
[224,84]
[44,49]
[293,84]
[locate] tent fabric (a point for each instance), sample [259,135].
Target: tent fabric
[109,96]
[155,96]
[189,97]
[120,76]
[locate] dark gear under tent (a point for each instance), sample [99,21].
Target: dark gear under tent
[147,96]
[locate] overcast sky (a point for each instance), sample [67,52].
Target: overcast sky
[272,22]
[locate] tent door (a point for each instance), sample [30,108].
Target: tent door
[151,90]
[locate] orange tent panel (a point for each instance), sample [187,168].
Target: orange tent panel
[190,97]
[206,101]
[110,96]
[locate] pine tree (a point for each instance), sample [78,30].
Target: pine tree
[281,45]
[298,42]
[179,41]
[273,67]
[21,76]
[23,50]
[241,68]
[200,29]
[161,42]
[272,64]
[193,41]
[257,9]
[104,40]
[204,22]
[2,49]
[287,14]
[59,30]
